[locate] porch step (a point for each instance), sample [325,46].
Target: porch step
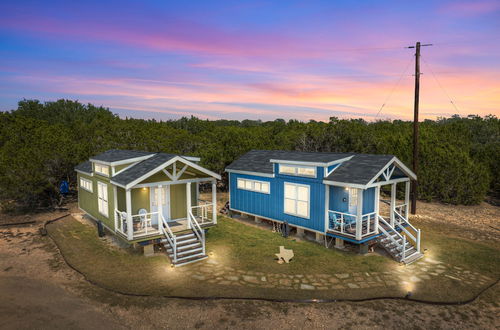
[188,248]
[186,253]
[392,242]
[190,259]
[185,247]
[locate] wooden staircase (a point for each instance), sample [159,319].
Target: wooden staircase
[188,249]
[402,246]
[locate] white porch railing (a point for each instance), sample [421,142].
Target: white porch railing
[139,225]
[169,235]
[203,212]
[409,230]
[346,223]
[196,228]
[401,210]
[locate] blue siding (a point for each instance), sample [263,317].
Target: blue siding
[369,200]
[272,205]
[337,194]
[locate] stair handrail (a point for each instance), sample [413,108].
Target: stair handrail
[171,238]
[198,231]
[417,231]
[380,218]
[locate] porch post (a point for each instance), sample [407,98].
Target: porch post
[214,201]
[115,206]
[159,202]
[327,206]
[377,202]
[130,229]
[359,214]
[393,203]
[407,199]
[188,203]
[197,193]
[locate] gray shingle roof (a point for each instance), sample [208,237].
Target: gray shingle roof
[259,160]
[141,168]
[115,155]
[360,169]
[84,167]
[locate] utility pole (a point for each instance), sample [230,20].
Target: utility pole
[415,125]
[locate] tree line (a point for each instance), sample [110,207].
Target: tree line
[40,144]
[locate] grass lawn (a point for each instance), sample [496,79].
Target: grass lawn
[239,247]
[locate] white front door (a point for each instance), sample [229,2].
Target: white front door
[165,202]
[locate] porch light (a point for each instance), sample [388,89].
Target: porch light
[144,189]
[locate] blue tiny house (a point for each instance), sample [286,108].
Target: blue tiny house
[331,194]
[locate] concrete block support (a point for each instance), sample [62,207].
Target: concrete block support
[363,248]
[149,250]
[319,238]
[258,220]
[300,232]
[339,243]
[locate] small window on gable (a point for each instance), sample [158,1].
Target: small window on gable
[309,171]
[101,169]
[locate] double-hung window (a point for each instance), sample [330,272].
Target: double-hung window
[297,199]
[86,184]
[253,185]
[101,169]
[102,198]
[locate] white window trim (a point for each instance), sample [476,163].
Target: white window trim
[308,202]
[86,181]
[99,172]
[253,185]
[105,186]
[296,172]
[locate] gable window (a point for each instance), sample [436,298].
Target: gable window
[297,198]
[102,198]
[101,169]
[86,184]
[298,170]
[253,185]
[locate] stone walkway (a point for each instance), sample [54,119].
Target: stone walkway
[424,270]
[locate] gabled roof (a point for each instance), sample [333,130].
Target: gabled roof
[85,167]
[141,168]
[115,155]
[360,169]
[143,163]
[354,169]
[260,160]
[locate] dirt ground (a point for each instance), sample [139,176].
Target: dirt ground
[38,290]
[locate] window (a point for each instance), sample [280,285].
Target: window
[297,199]
[102,169]
[253,185]
[102,198]
[86,184]
[298,170]
[353,197]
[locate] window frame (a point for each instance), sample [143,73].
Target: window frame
[253,182]
[297,200]
[296,170]
[85,180]
[101,200]
[101,166]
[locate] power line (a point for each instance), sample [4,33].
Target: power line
[441,86]
[394,87]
